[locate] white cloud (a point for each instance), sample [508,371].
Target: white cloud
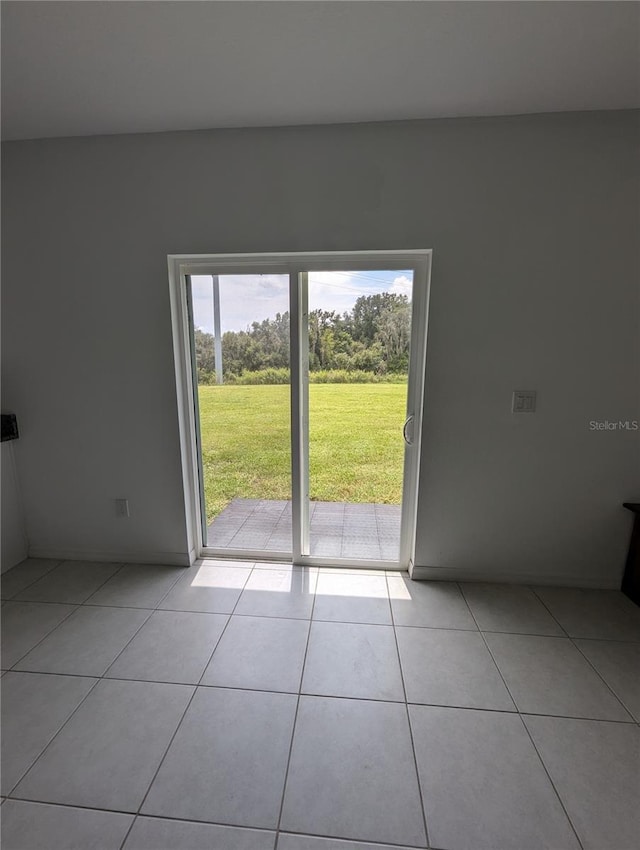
[402,285]
[339,291]
[243,299]
[248,298]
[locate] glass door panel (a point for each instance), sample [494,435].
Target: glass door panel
[241,344]
[358,338]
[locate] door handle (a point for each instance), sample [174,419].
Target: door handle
[409,419]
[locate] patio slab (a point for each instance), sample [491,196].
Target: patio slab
[338,529]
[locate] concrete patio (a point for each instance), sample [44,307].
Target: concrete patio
[338,529]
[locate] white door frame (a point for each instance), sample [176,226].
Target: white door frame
[296,265]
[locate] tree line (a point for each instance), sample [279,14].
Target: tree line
[371,339]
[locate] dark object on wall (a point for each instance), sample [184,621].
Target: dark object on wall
[631,577]
[9,427]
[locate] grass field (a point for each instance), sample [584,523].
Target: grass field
[355,443]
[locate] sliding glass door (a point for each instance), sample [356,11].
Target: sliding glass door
[241,366]
[358,343]
[307,375]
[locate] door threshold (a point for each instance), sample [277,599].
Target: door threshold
[280,560]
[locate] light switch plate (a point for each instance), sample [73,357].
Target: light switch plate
[523,401]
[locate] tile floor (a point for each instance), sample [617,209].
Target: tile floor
[337,529]
[248,707]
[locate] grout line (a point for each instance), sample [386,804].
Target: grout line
[133,815]
[81,605]
[604,640]
[113,575]
[547,609]
[90,604]
[602,678]
[274,526]
[356,842]
[233,826]
[553,785]
[217,643]
[50,742]
[295,719]
[285,617]
[266,829]
[72,806]
[89,675]
[153,778]
[179,577]
[318,619]
[89,595]
[585,637]
[309,620]
[319,695]
[597,672]
[102,678]
[227,613]
[519,714]
[476,630]
[50,602]
[125,607]
[50,632]
[406,706]
[238,530]
[184,713]
[190,611]
[133,637]
[27,586]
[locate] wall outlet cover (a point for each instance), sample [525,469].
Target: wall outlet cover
[122,507]
[523,401]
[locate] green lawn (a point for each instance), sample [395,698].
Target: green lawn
[355,443]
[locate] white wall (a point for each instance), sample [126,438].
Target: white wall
[14,542]
[534,225]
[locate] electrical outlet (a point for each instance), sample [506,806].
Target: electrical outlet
[523,401]
[122,507]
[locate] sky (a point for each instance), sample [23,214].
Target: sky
[251,298]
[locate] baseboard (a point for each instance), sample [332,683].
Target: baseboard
[418,573]
[470,574]
[173,559]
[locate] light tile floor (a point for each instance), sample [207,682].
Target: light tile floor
[337,529]
[249,707]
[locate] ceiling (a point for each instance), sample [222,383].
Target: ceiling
[85,68]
